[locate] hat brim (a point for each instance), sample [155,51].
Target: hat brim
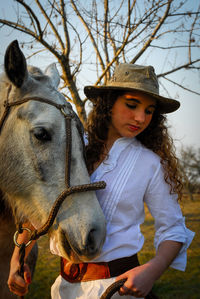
[165,105]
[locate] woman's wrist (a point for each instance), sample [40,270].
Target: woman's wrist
[157,266]
[15,256]
[166,253]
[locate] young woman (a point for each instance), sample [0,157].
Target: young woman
[130,149]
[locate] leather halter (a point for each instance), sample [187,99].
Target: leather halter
[69,189]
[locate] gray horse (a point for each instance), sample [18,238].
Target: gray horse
[32,165]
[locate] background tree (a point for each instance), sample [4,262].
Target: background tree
[97,35]
[190,164]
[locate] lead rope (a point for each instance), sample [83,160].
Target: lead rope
[68,151]
[21,256]
[112,289]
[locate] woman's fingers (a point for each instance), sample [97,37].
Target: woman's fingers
[18,289]
[17,284]
[130,291]
[129,287]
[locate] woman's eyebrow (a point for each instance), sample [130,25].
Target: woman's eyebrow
[133,100]
[139,102]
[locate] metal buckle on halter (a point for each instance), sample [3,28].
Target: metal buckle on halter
[16,234]
[66,115]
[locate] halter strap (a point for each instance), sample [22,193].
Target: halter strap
[8,105]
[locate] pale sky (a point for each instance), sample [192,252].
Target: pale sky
[185,122]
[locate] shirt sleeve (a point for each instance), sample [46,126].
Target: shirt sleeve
[169,221]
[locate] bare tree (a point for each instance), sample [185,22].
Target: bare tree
[97,35]
[190,164]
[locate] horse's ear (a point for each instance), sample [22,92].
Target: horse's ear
[52,72]
[15,64]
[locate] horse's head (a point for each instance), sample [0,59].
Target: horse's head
[33,158]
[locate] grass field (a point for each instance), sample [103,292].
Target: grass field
[173,284]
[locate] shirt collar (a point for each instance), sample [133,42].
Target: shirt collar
[111,160]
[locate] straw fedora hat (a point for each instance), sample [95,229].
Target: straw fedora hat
[132,77]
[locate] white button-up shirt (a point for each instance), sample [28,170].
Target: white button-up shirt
[134,175]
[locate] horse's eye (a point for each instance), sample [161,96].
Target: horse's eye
[41,134]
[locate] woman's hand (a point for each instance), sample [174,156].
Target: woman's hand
[139,281]
[16,283]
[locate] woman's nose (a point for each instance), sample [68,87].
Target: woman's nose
[140,116]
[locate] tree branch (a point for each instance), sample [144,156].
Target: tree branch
[105,30]
[146,45]
[30,12]
[184,14]
[190,37]
[66,33]
[184,66]
[51,24]
[18,27]
[90,34]
[183,87]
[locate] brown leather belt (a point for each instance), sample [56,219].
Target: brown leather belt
[93,271]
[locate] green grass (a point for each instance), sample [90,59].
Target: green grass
[173,284]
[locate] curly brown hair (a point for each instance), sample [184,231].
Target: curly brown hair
[155,137]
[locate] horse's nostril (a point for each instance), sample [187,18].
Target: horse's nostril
[91,241]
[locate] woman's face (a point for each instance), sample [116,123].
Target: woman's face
[131,114]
